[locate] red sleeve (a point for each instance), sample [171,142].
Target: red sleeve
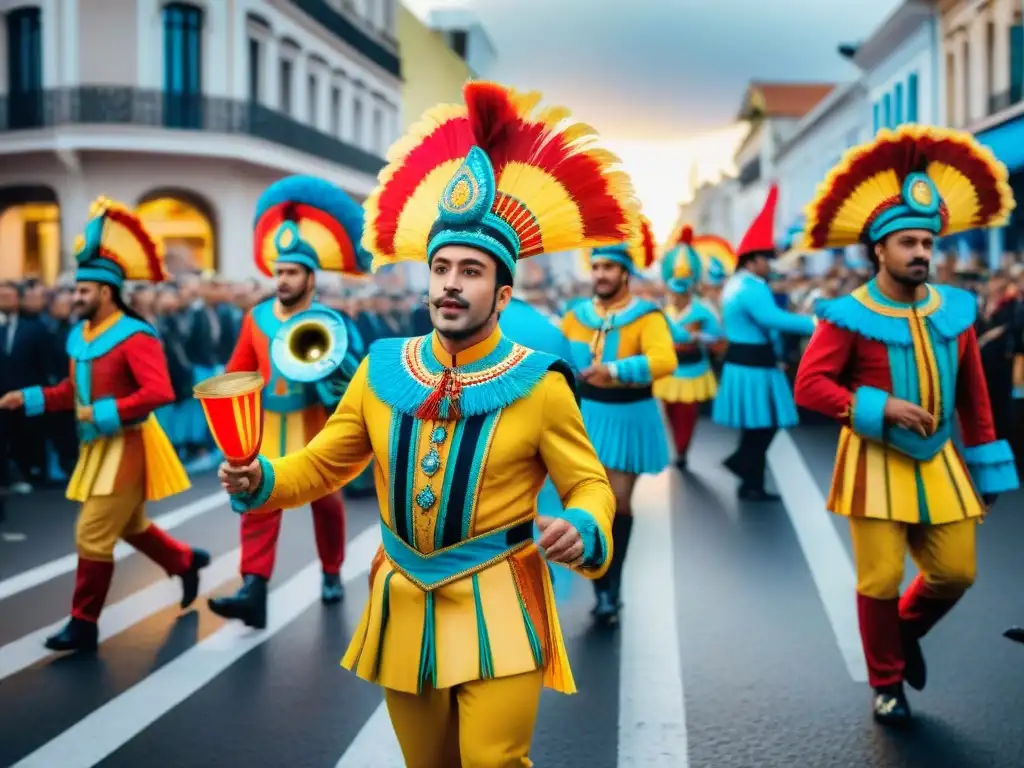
[817,386]
[972,403]
[59,397]
[148,364]
[243,358]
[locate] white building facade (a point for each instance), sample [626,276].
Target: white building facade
[203,102]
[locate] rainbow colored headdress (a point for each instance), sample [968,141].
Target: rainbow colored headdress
[116,247]
[309,221]
[636,254]
[499,176]
[718,257]
[681,266]
[916,177]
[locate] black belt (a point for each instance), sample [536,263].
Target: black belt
[615,394]
[517,534]
[689,357]
[751,355]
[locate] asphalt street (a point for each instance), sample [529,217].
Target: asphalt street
[738,646]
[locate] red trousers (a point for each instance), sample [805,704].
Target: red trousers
[682,418]
[260,533]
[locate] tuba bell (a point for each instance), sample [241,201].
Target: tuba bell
[321,347]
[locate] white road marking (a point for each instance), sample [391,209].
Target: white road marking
[652,710]
[107,729]
[826,555]
[33,577]
[117,617]
[375,746]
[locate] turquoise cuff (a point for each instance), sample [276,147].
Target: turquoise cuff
[633,370]
[595,548]
[105,416]
[35,403]
[992,467]
[868,417]
[246,502]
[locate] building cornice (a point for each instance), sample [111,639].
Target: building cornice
[896,29]
[840,96]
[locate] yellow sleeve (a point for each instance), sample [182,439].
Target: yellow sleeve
[577,474]
[656,343]
[334,457]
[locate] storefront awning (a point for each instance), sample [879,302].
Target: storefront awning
[1007,143]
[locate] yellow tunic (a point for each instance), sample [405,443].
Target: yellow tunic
[499,620]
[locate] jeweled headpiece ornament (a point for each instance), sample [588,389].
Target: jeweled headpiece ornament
[309,221]
[916,177]
[636,254]
[718,257]
[681,266]
[116,247]
[498,175]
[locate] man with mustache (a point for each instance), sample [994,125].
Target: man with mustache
[896,362]
[753,395]
[303,224]
[622,344]
[118,379]
[461,628]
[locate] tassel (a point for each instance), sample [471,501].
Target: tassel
[443,403]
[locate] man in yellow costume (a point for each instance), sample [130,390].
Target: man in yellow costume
[897,363]
[118,379]
[464,426]
[622,344]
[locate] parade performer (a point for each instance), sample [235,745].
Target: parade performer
[303,224]
[896,362]
[622,345]
[754,395]
[718,262]
[118,378]
[461,628]
[694,327]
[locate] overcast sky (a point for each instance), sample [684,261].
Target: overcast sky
[652,74]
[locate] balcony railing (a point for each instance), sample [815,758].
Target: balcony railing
[997,102]
[337,24]
[98,105]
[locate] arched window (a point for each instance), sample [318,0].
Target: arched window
[183,60]
[25,68]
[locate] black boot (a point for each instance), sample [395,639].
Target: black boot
[76,635]
[248,604]
[622,529]
[1015,633]
[747,493]
[331,589]
[890,706]
[915,672]
[190,578]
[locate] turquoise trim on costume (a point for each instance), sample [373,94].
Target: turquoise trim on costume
[957,312]
[428,645]
[917,447]
[385,614]
[531,634]
[992,466]
[947,362]
[582,356]
[610,348]
[464,214]
[480,451]
[393,472]
[868,415]
[105,416]
[483,640]
[292,249]
[449,471]
[394,384]
[617,254]
[586,313]
[410,482]
[923,513]
[97,271]
[635,370]
[35,401]
[918,209]
[595,548]
[81,350]
[464,558]
[246,502]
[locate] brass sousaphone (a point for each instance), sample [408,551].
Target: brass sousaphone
[321,347]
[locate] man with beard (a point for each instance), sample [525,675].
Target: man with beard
[896,362]
[754,395]
[118,378]
[461,628]
[303,224]
[622,344]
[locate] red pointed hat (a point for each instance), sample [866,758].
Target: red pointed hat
[761,234]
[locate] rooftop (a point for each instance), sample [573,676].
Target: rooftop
[794,100]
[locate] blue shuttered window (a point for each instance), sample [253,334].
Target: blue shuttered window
[887,111]
[912,97]
[183,29]
[898,103]
[877,119]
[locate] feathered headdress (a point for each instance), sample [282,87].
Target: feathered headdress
[636,254]
[500,176]
[718,257]
[309,221]
[916,177]
[681,266]
[116,247]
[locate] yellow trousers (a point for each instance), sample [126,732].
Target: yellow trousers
[482,724]
[103,520]
[944,554]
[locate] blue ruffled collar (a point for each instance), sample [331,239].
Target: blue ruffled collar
[867,311]
[591,317]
